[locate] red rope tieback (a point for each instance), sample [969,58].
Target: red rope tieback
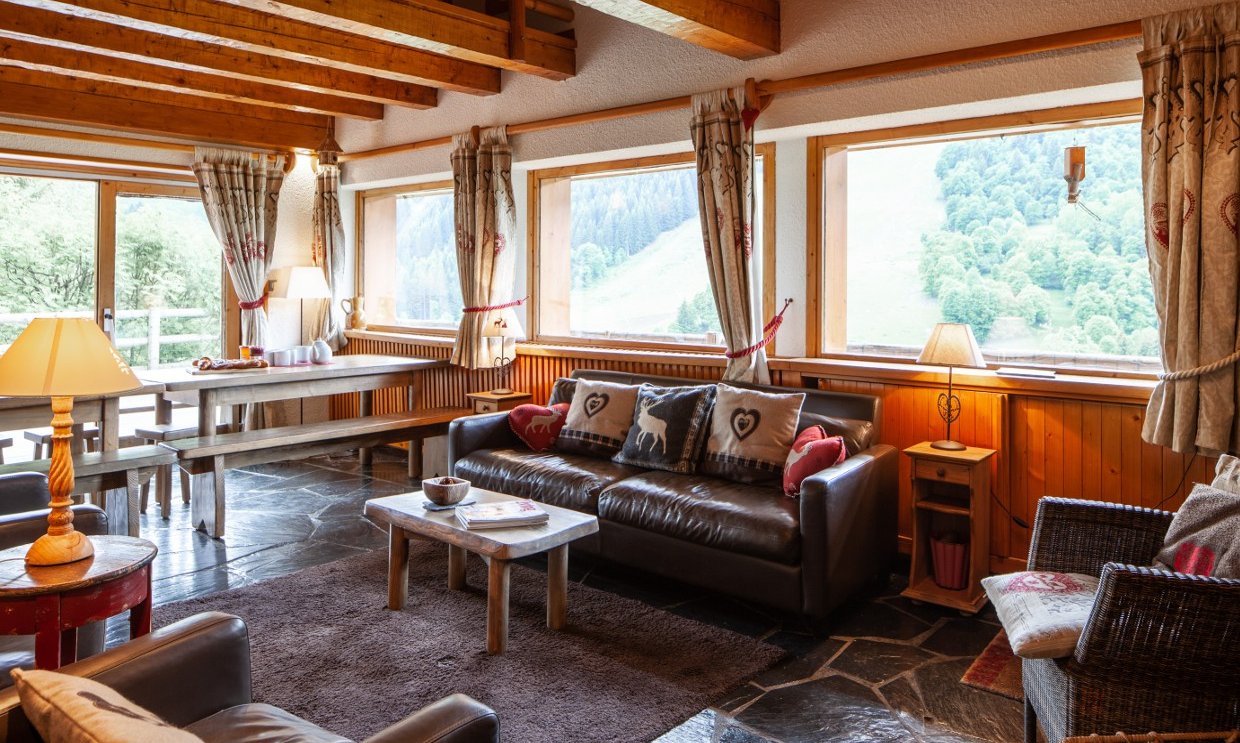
[253,305]
[490,307]
[769,330]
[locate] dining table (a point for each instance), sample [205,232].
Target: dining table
[17,413]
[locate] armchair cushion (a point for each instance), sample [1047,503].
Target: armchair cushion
[1202,537]
[73,709]
[1044,613]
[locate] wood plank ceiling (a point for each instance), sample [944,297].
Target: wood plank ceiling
[273,73]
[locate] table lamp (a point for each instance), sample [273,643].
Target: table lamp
[951,344]
[300,283]
[62,358]
[504,325]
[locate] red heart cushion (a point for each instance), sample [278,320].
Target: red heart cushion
[538,425]
[812,452]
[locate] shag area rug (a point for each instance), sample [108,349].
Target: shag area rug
[325,647]
[996,670]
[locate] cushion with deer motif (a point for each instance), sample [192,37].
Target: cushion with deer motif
[669,426]
[750,434]
[598,419]
[813,451]
[538,425]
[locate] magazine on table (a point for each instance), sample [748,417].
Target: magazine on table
[523,512]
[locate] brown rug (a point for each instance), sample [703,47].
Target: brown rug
[996,670]
[325,647]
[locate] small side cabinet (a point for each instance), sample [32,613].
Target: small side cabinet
[493,402]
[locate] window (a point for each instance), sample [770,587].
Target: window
[408,258]
[978,229]
[620,256]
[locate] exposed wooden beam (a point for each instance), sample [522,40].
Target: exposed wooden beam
[745,29]
[47,97]
[36,56]
[266,33]
[434,26]
[86,34]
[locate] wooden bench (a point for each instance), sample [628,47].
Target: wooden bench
[117,476]
[206,458]
[158,434]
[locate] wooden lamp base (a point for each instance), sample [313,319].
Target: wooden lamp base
[61,543]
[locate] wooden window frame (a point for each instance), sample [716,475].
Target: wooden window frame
[538,180]
[826,225]
[359,252]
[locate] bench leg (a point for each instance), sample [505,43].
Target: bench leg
[134,489]
[207,500]
[185,488]
[415,459]
[115,503]
[365,409]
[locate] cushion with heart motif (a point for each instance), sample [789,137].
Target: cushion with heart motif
[1202,537]
[598,418]
[813,451]
[750,434]
[538,425]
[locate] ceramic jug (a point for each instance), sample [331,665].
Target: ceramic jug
[321,353]
[356,308]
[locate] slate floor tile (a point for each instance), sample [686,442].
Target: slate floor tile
[876,662]
[828,710]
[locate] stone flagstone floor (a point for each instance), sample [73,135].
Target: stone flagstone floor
[887,669]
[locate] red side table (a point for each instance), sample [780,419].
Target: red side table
[52,602]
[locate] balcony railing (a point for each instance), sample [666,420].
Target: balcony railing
[153,341]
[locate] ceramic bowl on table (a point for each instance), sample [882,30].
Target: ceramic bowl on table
[445,491]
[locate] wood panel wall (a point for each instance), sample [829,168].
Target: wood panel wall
[1071,447]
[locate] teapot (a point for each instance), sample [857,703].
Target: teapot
[320,352]
[355,308]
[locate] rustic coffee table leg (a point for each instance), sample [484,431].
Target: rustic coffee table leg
[398,568]
[456,567]
[497,606]
[557,587]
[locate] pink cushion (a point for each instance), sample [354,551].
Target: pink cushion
[813,451]
[538,425]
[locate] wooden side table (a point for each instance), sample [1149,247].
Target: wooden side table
[951,493]
[493,402]
[52,602]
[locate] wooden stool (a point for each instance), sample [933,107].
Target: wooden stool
[158,434]
[3,444]
[42,439]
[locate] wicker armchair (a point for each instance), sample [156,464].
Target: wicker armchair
[1160,650]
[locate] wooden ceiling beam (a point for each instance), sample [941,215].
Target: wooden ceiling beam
[37,56]
[745,29]
[434,26]
[86,34]
[266,33]
[71,100]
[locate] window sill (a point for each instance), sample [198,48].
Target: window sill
[1072,386]
[411,337]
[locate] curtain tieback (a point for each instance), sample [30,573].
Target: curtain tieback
[253,305]
[490,307]
[1201,370]
[769,331]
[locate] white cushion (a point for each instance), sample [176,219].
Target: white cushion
[1044,613]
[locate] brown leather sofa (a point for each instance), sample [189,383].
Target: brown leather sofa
[195,674]
[803,555]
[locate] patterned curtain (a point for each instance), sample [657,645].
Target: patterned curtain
[1191,172]
[485,228]
[328,248]
[240,192]
[722,129]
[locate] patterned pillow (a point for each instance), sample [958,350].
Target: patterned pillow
[1202,537]
[1044,613]
[858,434]
[562,391]
[813,451]
[669,425]
[72,709]
[750,434]
[537,425]
[598,418]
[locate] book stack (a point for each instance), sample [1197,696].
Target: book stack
[501,515]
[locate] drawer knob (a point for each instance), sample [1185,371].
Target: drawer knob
[941,472]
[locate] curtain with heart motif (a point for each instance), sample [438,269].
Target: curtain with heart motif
[722,129]
[1191,171]
[486,219]
[327,248]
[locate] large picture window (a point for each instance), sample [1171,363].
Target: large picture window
[620,255]
[979,230]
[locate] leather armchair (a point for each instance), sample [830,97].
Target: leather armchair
[23,519]
[195,674]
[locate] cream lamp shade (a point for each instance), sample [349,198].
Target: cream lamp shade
[504,324]
[952,344]
[67,357]
[299,282]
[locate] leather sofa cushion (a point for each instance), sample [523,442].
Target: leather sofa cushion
[561,479]
[259,722]
[755,520]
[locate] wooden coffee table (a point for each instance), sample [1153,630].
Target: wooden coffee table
[407,519]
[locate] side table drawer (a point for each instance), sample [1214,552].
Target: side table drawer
[941,471]
[485,406]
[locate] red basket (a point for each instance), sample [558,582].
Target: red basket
[951,563]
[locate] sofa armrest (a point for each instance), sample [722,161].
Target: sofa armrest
[1080,536]
[453,719]
[475,432]
[23,491]
[25,527]
[848,526]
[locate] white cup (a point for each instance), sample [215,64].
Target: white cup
[302,354]
[283,357]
